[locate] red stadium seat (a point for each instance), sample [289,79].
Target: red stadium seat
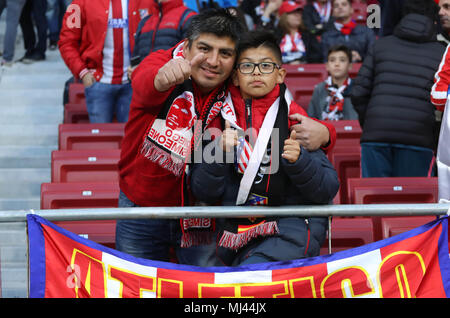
[79,196]
[349,232]
[347,129]
[391,190]
[359,12]
[90,136]
[76,93]
[301,80]
[395,225]
[347,162]
[85,165]
[355,69]
[75,113]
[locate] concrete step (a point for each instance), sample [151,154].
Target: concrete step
[26,135]
[26,157]
[25,203]
[34,98]
[22,182]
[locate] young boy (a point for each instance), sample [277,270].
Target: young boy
[284,173]
[331,98]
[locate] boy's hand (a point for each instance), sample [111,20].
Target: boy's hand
[175,72]
[229,138]
[291,150]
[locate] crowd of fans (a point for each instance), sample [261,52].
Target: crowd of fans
[390,96]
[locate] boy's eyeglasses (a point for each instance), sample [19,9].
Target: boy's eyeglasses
[264,67]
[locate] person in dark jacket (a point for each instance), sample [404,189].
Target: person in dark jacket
[358,38]
[391,95]
[164,27]
[287,173]
[317,16]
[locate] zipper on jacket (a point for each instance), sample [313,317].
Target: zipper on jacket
[157,26]
[309,237]
[248,116]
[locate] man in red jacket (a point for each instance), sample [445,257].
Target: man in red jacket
[157,144]
[96,40]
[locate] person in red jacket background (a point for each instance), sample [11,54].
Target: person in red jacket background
[96,41]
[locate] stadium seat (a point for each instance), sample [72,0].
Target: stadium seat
[392,190]
[79,196]
[301,80]
[399,190]
[395,225]
[90,136]
[347,129]
[76,93]
[75,113]
[349,232]
[347,162]
[359,12]
[99,165]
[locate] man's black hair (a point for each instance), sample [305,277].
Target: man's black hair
[340,48]
[257,38]
[219,22]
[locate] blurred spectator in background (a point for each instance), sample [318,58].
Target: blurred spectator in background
[98,49]
[331,98]
[358,38]
[297,44]
[160,30]
[13,12]
[444,18]
[54,14]
[34,28]
[317,16]
[391,95]
[263,13]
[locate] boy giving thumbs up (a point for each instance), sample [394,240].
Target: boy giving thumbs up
[270,167]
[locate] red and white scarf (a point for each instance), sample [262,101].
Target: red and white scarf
[335,100]
[292,47]
[323,11]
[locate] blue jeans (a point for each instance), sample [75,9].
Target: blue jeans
[394,160]
[13,12]
[54,14]
[105,100]
[153,238]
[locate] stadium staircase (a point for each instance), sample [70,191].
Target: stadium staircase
[30,110]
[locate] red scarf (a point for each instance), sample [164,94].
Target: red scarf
[348,27]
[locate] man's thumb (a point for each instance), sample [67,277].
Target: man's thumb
[227,124]
[198,59]
[296,117]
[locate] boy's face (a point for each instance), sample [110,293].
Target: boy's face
[257,84]
[338,65]
[220,54]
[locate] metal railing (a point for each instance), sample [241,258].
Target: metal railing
[230,212]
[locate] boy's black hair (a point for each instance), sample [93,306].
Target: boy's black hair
[428,8]
[219,22]
[257,38]
[340,48]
